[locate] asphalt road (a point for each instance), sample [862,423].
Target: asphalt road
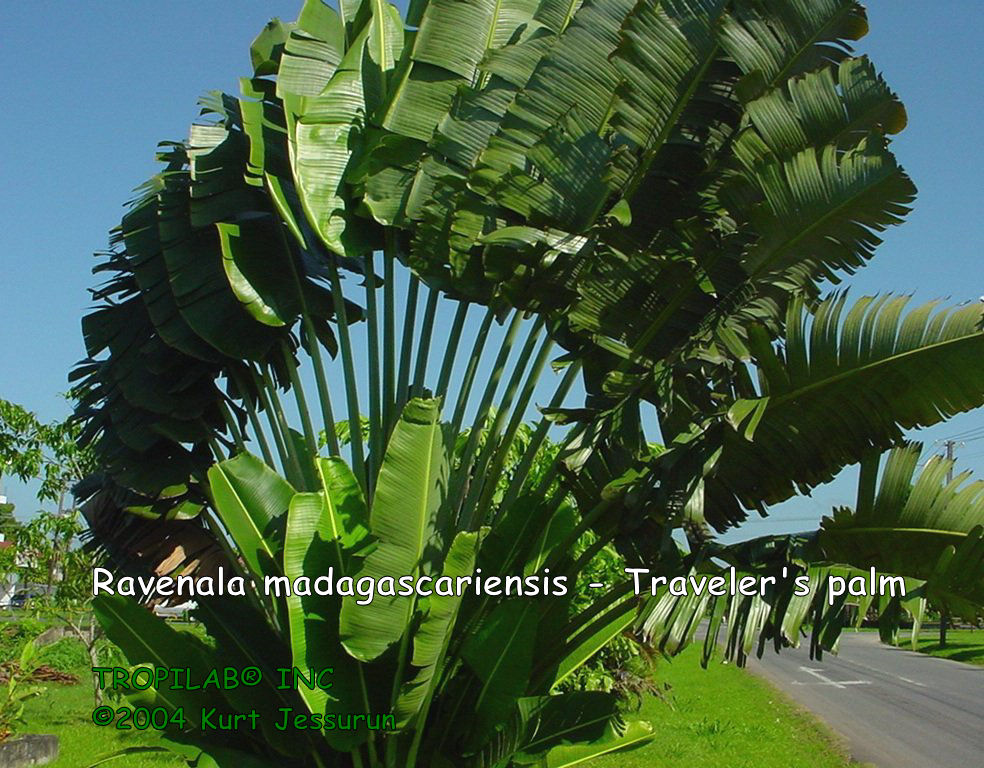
[894,708]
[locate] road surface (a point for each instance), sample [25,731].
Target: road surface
[895,708]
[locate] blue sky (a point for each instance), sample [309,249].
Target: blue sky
[93,86]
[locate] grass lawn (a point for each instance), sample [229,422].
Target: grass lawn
[711,718]
[723,716]
[966,645]
[65,710]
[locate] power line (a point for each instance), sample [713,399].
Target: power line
[972,433]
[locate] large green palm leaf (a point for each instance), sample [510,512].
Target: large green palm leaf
[844,381]
[928,527]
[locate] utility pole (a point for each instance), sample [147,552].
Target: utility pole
[944,614]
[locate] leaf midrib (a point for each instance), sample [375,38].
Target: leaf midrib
[498,663]
[252,524]
[881,530]
[782,399]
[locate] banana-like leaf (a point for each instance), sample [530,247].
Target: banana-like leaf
[412,484]
[224,617]
[319,127]
[631,736]
[349,515]
[823,207]
[266,50]
[566,729]
[243,254]
[778,39]
[923,527]
[140,236]
[148,639]
[926,535]
[841,384]
[500,652]
[193,254]
[487,136]
[667,50]
[955,583]
[452,40]
[822,107]
[588,639]
[431,639]
[799,596]
[311,53]
[252,500]
[451,44]
[314,546]
[568,95]
[527,534]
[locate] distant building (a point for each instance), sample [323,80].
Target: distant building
[8,584]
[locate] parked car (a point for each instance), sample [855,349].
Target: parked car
[19,600]
[179,611]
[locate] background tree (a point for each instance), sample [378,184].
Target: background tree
[49,552]
[8,523]
[49,452]
[46,554]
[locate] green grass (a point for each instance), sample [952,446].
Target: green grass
[717,717]
[65,711]
[723,716]
[966,645]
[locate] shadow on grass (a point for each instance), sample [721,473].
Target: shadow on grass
[970,655]
[966,647]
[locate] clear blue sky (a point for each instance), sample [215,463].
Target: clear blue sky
[93,86]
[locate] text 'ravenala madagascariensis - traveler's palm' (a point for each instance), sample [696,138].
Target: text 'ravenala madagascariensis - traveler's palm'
[404,216]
